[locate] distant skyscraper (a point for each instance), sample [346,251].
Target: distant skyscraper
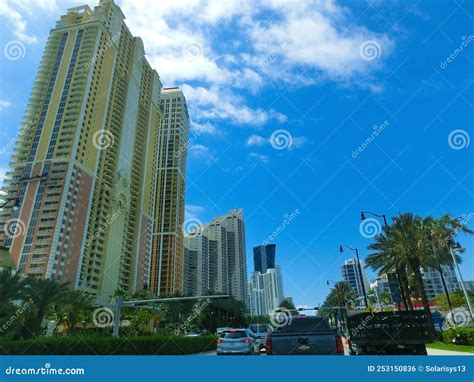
[264,257]
[222,243]
[84,166]
[196,266]
[265,292]
[266,284]
[351,275]
[256,296]
[167,258]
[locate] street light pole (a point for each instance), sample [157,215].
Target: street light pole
[16,206]
[399,278]
[341,249]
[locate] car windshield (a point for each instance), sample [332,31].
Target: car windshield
[305,325]
[236,334]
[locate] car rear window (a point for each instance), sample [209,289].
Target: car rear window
[259,328]
[233,335]
[305,325]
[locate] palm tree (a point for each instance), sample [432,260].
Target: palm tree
[386,261]
[407,246]
[44,293]
[76,303]
[344,292]
[442,234]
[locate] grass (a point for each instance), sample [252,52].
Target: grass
[451,347]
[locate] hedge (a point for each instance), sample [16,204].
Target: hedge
[459,336]
[83,345]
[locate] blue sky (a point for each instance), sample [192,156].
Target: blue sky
[326,76]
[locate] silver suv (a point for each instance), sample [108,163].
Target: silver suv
[237,341]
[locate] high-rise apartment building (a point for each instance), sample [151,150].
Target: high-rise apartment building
[196,266]
[266,283]
[256,295]
[167,260]
[219,248]
[264,257]
[351,274]
[267,292]
[87,168]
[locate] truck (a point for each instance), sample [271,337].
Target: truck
[310,335]
[388,333]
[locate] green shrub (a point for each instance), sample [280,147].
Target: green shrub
[459,336]
[91,345]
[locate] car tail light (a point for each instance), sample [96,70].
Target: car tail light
[268,346]
[246,340]
[339,345]
[219,340]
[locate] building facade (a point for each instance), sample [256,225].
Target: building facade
[351,274]
[469,285]
[433,283]
[256,295]
[86,164]
[216,254]
[167,260]
[196,265]
[264,257]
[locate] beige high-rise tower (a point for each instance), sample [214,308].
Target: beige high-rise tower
[85,169]
[167,261]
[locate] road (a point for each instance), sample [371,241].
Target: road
[446,352]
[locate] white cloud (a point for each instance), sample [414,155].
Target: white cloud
[234,48]
[193,211]
[216,103]
[203,128]
[4,104]
[294,142]
[318,35]
[259,157]
[297,142]
[16,13]
[201,152]
[256,140]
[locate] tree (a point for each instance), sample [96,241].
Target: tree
[457,300]
[412,242]
[44,293]
[404,244]
[386,261]
[77,303]
[287,304]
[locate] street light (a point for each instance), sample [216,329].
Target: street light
[341,250]
[362,216]
[15,206]
[399,279]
